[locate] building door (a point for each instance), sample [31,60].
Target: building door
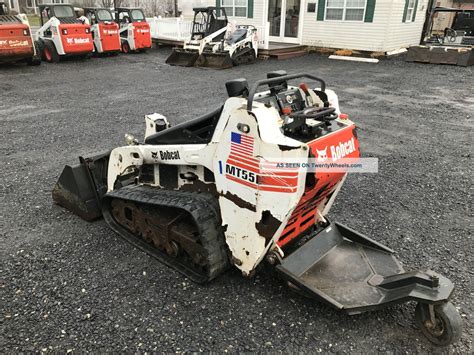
[284,18]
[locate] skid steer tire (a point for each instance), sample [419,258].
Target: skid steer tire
[125,47]
[50,53]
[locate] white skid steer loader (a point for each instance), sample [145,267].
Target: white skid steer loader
[63,34]
[216,43]
[215,192]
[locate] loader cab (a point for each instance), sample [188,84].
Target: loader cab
[64,13]
[126,15]
[98,15]
[208,20]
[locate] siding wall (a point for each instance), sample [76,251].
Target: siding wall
[404,34]
[387,31]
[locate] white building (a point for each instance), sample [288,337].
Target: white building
[13,5]
[369,25]
[30,6]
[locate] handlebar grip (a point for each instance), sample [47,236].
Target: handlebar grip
[279,79]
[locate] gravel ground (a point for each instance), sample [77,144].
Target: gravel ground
[68,284]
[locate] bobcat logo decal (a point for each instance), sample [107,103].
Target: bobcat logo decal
[322,155]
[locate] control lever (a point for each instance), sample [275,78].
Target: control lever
[316,113]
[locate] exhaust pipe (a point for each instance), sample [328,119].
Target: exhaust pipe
[182,57]
[80,187]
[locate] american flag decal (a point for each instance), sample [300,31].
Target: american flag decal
[244,168]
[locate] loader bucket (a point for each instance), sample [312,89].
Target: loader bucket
[214,61]
[80,187]
[182,57]
[441,55]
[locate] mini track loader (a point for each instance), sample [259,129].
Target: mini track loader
[135,33]
[63,34]
[210,193]
[215,43]
[105,32]
[16,42]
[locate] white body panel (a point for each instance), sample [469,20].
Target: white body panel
[251,40]
[53,25]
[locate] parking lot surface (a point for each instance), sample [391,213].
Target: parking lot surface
[72,285]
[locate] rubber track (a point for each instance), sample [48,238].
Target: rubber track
[244,52]
[202,207]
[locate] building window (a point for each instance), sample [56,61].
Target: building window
[30,3]
[345,10]
[237,8]
[410,10]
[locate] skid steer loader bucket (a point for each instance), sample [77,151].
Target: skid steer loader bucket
[354,273]
[182,57]
[441,55]
[214,60]
[80,187]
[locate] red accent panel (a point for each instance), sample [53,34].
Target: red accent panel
[245,159]
[109,37]
[276,189]
[77,41]
[142,35]
[278,181]
[303,217]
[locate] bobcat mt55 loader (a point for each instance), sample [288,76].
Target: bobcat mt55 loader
[63,34]
[105,32]
[16,41]
[215,43]
[210,193]
[135,33]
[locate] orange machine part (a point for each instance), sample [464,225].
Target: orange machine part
[109,37]
[142,34]
[77,40]
[304,215]
[14,44]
